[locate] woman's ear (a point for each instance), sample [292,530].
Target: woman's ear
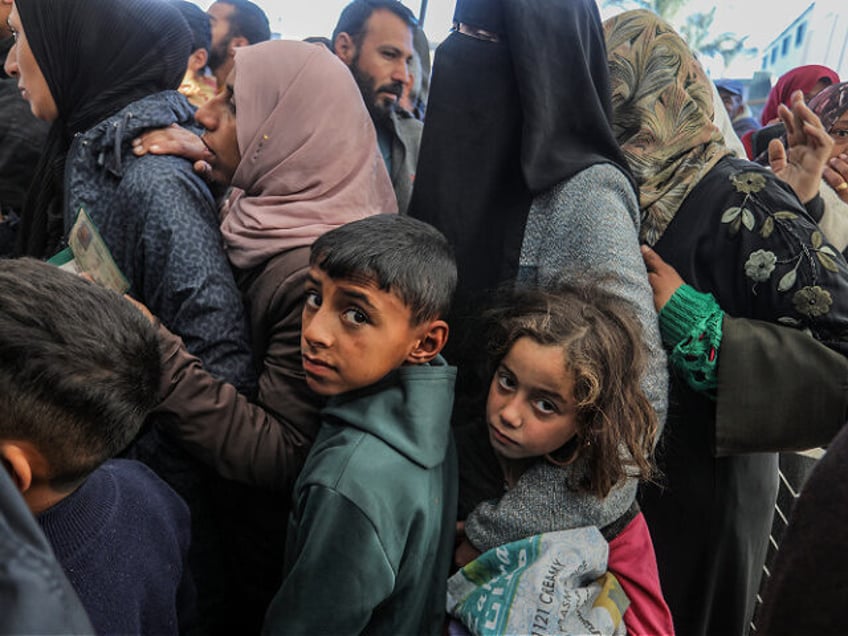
[433,338]
[16,461]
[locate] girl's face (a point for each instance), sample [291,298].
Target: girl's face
[531,409]
[20,63]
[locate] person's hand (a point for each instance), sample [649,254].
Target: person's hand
[663,278]
[142,308]
[836,175]
[465,553]
[175,140]
[809,144]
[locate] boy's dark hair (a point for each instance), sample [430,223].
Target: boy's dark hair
[79,367]
[248,21]
[605,353]
[401,255]
[354,16]
[198,23]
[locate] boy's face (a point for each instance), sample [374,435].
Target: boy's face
[353,333]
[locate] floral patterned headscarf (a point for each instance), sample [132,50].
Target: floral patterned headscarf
[662,114]
[830,104]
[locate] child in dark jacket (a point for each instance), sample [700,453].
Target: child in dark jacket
[371,531]
[79,371]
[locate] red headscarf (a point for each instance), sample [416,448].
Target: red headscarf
[803,79]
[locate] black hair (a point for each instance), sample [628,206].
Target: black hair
[354,16]
[402,255]
[319,39]
[248,21]
[198,22]
[79,367]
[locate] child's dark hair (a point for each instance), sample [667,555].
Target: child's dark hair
[402,255]
[604,351]
[79,368]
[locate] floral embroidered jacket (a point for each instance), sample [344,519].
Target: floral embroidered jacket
[753,246]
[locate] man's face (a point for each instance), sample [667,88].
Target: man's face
[353,333]
[380,64]
[732,102]
[219,18]
[218,117]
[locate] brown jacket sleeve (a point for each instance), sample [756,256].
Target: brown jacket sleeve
[263,443]
[778,389]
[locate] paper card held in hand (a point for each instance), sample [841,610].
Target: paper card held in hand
[87,252]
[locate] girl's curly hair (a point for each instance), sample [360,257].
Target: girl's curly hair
[605,353]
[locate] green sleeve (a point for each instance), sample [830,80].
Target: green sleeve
[690,324]
[338,571]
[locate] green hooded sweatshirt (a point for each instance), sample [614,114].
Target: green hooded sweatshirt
[370,537]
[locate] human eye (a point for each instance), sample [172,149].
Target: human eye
[505,380]
[390,54]
[355,316]
[544,406]
[313,299]
[841,135]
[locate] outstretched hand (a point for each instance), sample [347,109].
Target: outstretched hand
[175,140]
[663,278]
[809,144]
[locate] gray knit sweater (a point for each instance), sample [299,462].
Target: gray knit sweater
[582,230]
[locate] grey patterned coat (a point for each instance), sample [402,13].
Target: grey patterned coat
[160,223]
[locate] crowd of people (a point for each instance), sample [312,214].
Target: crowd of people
[504,344]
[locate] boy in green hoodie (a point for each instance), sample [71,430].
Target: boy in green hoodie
[371,532]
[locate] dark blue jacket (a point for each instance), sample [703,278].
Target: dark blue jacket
[161,224]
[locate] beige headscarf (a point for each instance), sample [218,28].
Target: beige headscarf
[662,114]
[309,156]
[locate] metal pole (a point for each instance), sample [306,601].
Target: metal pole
[422,13]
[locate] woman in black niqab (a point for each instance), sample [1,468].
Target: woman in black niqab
[97,57]
[506,121]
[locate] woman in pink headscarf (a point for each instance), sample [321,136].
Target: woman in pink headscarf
[291,135]
[810,79]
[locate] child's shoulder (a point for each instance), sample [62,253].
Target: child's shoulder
[139,486]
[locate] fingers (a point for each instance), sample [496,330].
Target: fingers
[788,120]
[837,181]
[839,164]
[653,261]
[203,169]
[777,155]
[173,140]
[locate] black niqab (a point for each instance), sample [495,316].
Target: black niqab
[508,120]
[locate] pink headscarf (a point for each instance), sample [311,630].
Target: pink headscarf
[802,78]
[309,156]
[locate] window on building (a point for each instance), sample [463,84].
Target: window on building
[765,62]
[774,55]
[800,33]
[784,49]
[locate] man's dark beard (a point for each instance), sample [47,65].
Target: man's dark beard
[379,110]
[218,54]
